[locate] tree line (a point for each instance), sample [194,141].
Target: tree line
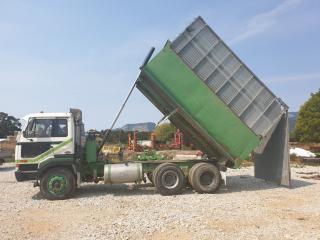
[8,124]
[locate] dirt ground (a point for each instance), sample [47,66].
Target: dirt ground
[247,208]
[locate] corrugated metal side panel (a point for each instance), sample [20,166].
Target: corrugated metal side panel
[223,72]
[197,101]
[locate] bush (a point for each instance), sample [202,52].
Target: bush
[308,122]
[164,132]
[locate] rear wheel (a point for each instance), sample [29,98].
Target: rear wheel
[57,184]
[190,174]
[169,179]
[154,173]
[205,178]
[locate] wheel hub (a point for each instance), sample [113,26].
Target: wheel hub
[207,179]
[170,179]
[57,184]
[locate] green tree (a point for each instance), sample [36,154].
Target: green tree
[8,124]
[164,132]
[308,122]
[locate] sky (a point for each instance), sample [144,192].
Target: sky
[55,55]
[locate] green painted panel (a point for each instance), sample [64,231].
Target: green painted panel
[56,161]
[91,150]
[47,153]
[183,85]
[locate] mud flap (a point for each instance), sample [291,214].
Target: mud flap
[273,163]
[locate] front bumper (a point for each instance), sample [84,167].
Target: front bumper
[25,176]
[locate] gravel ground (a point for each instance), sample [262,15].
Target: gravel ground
[246,208]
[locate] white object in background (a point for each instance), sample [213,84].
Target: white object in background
[186,157]
[300,152]
[145,143]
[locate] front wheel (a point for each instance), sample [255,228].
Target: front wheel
[57,184]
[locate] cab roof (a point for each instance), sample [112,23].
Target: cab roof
[47,115]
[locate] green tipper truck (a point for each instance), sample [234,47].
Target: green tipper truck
[198,83]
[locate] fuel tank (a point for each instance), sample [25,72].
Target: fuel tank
[123,173]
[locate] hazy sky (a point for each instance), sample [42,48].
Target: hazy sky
[86,54]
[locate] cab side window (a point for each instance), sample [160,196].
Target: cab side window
[60,128]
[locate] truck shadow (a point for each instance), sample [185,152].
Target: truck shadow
[115,190]
[250,183]
[118,190]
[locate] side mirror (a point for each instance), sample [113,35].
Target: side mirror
[28,134]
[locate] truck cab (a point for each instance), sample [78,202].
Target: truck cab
[45,139]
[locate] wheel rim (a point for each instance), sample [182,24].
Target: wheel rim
[170,179]
[57,185]
[207,179]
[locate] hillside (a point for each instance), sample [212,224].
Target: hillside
[141,127]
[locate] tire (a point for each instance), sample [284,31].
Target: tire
[191,172]
[57,184]
[156,170]
[205,178]
[169,179]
